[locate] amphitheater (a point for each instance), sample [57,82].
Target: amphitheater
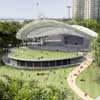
[52,37]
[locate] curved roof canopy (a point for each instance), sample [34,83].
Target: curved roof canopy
[41,28]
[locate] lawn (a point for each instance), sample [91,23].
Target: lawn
[89,81]
[29,54]
[55,77]
[51,76]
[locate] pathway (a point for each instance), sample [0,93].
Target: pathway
[73,75]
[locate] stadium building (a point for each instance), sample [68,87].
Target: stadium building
[55,36]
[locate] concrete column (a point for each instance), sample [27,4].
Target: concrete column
[62,62]
[41,64]
[25,63]
[33,65]
[55,63]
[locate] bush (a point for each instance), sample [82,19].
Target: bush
[12,89]
[9,89]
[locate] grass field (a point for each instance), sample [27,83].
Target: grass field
[55,77]
[89,81]
[28,54]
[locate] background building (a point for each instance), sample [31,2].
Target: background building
[86,9]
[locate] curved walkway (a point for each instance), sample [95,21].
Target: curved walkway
[73,75]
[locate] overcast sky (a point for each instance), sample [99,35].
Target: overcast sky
[34,8]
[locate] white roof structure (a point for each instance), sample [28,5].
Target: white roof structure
[41,28]
[86,30]
[98,98]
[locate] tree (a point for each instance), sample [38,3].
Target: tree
[96,50]
[8,32]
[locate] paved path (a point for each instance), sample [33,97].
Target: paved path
[73,75]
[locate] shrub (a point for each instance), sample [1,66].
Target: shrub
[16,90]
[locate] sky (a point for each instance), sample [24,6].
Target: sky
[34,8]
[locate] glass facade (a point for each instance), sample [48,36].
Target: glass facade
[46,64]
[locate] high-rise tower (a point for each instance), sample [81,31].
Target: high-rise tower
[86,9]
[78,8]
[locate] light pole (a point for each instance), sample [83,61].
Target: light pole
[69,11]
[37,8]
